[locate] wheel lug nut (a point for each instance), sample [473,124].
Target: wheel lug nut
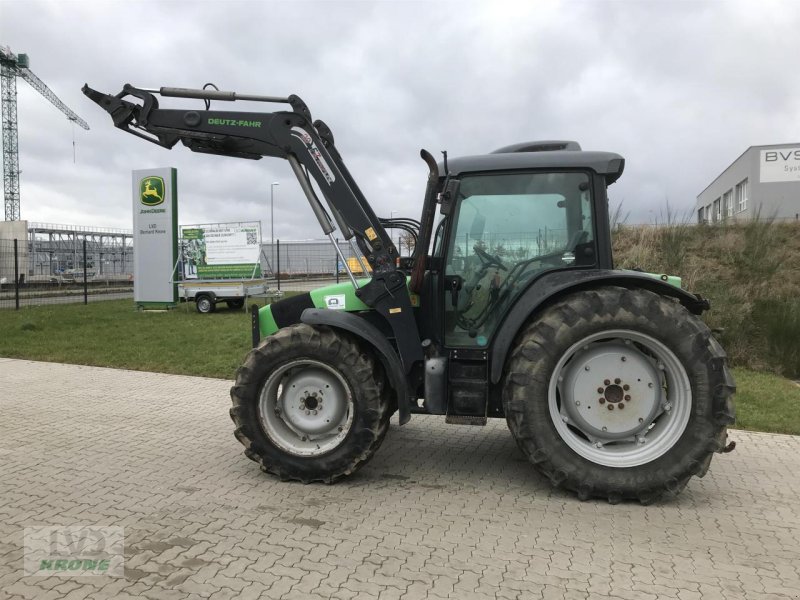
[577,402]
[627,398]
[650,385]
[605,428]
[602,400]
[313,412]
[600,390]
[617,380]
[621,405]
[641,420]
[610,407]
[623,358]
[607,382]
[586,368]
[626,387]
[308,412]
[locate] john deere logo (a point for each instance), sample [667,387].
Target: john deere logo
[151,191]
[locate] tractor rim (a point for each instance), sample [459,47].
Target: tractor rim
[306,408]
[620,398]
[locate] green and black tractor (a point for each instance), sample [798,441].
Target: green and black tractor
[509,307]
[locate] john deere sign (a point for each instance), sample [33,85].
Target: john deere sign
[151,191]
[155,237]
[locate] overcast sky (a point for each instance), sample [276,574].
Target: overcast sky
[680,89]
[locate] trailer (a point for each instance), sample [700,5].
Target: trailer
[207,293]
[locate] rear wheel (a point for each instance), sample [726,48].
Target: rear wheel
[618,393]
[309,405]
[235,304]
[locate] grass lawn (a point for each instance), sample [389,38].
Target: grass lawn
[181,341]
[766,402]
[113,334]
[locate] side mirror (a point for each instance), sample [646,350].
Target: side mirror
[448,195]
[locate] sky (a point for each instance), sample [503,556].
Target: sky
[679,88]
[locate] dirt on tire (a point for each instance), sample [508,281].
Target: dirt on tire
[543,341]
[364,378]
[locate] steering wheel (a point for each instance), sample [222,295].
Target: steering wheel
[489,259]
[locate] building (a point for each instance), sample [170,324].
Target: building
[44,250]
[764,180]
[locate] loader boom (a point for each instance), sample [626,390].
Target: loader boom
[310,149]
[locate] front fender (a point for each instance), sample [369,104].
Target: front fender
[551,286]
[361,328]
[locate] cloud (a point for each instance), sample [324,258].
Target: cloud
[678,88]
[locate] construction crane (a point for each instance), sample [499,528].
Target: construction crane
[13,66]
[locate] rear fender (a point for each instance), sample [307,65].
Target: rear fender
[552,286]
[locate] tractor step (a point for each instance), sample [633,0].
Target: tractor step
[465,420]
[468,387]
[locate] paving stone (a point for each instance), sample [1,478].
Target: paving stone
[440,512]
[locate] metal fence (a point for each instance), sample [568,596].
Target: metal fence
[36,271]
[304,264]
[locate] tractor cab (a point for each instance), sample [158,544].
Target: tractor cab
[509,217]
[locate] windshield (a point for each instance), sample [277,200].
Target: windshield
[508,228]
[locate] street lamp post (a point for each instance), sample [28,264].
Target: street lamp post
[272,224]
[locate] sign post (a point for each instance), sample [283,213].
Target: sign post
[155,237]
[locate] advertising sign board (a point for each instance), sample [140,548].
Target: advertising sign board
[221,250]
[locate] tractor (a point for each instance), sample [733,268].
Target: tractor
[509,307]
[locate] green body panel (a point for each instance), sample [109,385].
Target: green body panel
[352,303]
[672,280]
[342,296]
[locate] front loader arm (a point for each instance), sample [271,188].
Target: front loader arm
[309,148]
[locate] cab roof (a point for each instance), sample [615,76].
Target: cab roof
[521,157]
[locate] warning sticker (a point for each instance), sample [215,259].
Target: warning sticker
[371,235]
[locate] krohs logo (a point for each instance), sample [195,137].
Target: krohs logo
[151,191]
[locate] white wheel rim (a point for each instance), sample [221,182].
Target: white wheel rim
[642,381]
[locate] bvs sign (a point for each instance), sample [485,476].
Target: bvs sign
[780,164]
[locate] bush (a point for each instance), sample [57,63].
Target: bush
[750,272]
[779,320]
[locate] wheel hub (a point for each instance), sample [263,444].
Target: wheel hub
[310,404]
[610,391]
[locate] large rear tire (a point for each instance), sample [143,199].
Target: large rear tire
[618,393]
[309,404]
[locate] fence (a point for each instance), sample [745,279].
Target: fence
[303,265]
[35,271]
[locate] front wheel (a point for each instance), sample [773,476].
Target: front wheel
[618,393]
[309,404]
[204,304]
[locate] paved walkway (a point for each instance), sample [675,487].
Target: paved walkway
[442,511]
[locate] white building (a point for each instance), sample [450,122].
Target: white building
[764,180]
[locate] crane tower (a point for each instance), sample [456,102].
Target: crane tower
[13,66]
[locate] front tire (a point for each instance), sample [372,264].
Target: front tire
[204,305]
[619,394]
[309,405]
